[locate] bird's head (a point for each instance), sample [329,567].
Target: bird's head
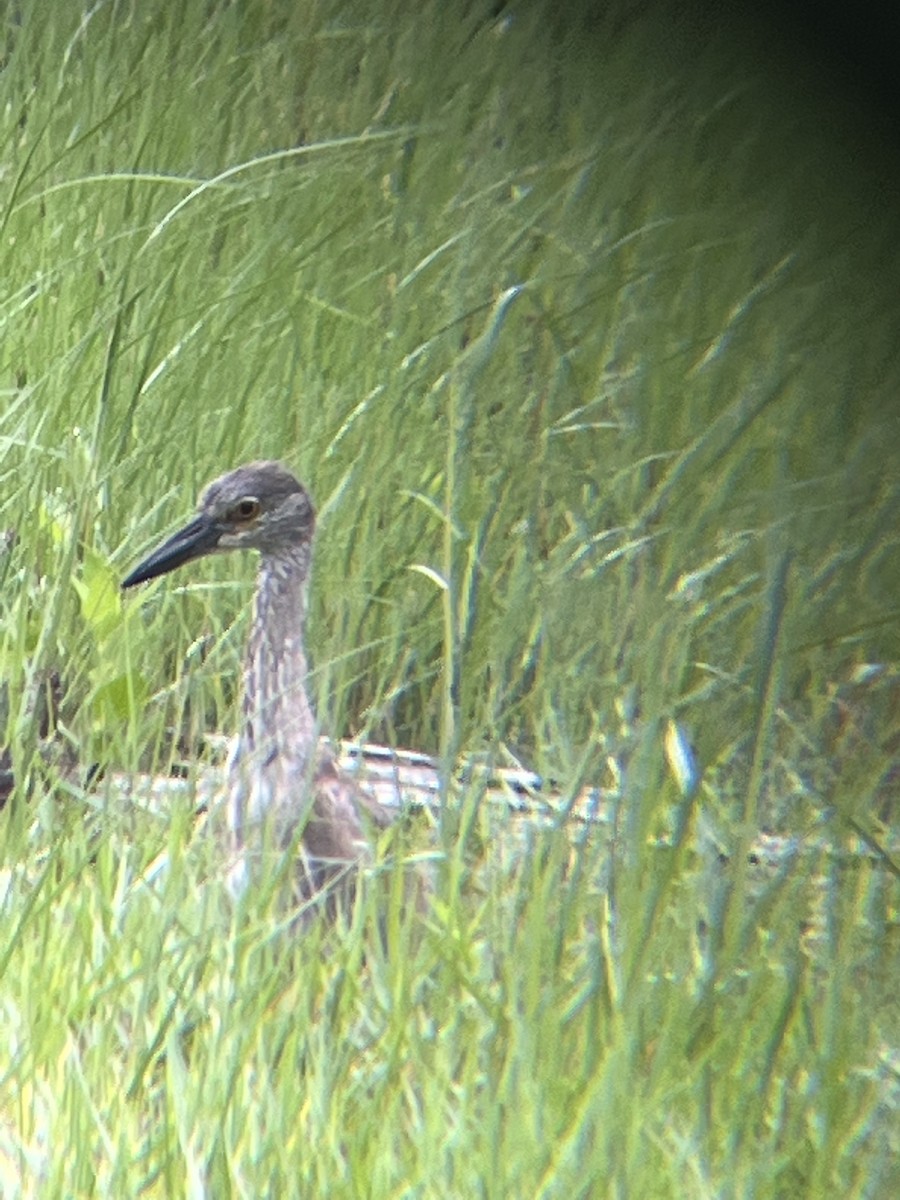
[260,506]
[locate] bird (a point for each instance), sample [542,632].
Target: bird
[284,790]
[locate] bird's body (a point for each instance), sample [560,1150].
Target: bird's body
[284,792]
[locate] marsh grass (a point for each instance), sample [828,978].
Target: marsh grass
[590,363]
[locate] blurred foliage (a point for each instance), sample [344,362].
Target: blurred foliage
[581,325]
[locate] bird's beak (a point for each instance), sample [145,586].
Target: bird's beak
[200,537]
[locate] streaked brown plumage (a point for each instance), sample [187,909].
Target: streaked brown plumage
[284,791]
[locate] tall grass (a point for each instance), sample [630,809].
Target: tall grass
[582,330]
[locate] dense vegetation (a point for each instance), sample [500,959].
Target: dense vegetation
[582,330]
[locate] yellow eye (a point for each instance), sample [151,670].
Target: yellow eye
[245,510]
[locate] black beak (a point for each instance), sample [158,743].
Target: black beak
[200,537]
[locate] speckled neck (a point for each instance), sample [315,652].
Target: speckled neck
[276,712]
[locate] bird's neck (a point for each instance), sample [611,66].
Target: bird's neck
[277,715]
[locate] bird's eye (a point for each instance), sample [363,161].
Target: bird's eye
[246,509]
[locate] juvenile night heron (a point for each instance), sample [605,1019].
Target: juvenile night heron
[283,789]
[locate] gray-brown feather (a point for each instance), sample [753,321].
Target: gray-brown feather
[281,790]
